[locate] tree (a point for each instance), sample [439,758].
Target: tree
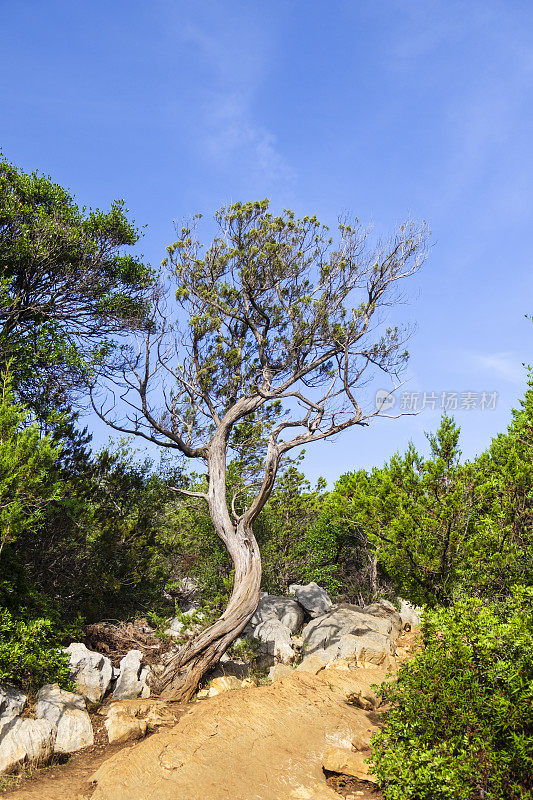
[274,323]
[27,460]
[420,515]
[65,286]
[505,554]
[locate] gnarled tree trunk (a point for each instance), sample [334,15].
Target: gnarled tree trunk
[185,669]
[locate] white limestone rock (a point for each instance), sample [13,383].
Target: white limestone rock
[326,632]
[275,640]
[25,740]
[312,597]
[91,672]
[12,700]
[130,683]
[66,711]
[272,606]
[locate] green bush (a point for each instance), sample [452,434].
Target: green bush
[461,719]
[29,656]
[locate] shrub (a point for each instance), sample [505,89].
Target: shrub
[29,656]
[461,719]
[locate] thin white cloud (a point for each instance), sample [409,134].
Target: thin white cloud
[505,366]
[236,64]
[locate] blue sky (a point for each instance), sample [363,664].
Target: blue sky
[382,109]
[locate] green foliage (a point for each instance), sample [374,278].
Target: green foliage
[505,527]
[65,285]
[27,484]
[29,655]
[461,720]
[102,550]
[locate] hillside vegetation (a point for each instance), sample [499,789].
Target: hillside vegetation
[91,535]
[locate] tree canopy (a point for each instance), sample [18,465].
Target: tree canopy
[66,285]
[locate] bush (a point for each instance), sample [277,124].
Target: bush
[461,718]
[29,656]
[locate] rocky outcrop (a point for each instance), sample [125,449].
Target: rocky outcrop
[411,615]
[66,712]
[312,597]
[275,640]
[128,720]
[132,679]
[91,672]
[326,632]
[12,700]
[25,741]
[272,606]
[270,739]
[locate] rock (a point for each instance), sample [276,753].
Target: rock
[123,728]
[129,683]
[347,762]
[275,640]
[312,597]
[127,720]
[25,740]
[92,672]
[235,667]
[12,700]
[219,685]
[66,711]
[410,615]
[279,671]
[175,627]
[386,610]
[326,631]
[371,647]
[362,740]
[144,679]
[267,741]
[272,606]
[313,663]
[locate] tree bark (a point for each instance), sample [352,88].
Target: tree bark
[184,671]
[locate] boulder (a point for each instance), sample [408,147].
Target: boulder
[132,678]
[124,728]
[275,640]
[347,762]
[66,711]
[144,677]
[326,632]
[312,597]
[228,666]
[364,698]
[386,610]
[272,606]
[371,647]
[12,700]
[130,719]
[410,615]
[91,672]
[25,740]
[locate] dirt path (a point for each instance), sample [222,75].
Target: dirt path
[263,743]
[70,780]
